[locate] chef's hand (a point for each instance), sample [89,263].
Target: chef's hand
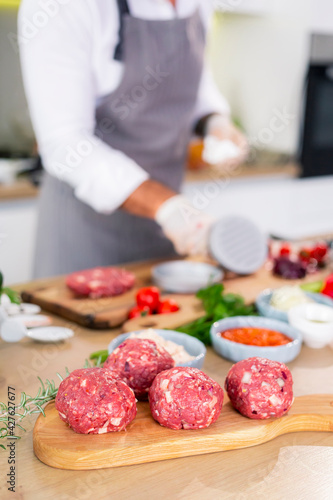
[224,143]
[187,227]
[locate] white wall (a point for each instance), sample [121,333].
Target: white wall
[322,16]
[259,62]
[17,239]
[16,133]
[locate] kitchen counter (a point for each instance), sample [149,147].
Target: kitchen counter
[19,190]
[282,468]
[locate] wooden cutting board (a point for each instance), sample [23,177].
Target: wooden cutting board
[145,440]
[113,311]
[107,312]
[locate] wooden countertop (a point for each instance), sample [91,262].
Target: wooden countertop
[21,189]
[239,474]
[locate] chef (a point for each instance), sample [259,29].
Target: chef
[115,90]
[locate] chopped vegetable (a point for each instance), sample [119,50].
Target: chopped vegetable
[289,269]
[328,287]
[314,287]
[99,356]
[285,250]
[217,306]
[167,306]
[138,311]
[148,302]
[148,296]
[286,297]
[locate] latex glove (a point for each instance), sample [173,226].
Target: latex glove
[187,227]
[224,143]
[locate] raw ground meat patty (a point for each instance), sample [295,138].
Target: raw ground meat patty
[100,282]
[95,401]
[139,361]
[185,398]
[259,388]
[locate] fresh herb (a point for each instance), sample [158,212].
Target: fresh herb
[30,405]
[99,357]
[13,296]
[217,305]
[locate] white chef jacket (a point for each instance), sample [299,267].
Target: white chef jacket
[66,50]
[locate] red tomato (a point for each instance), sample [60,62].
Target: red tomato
[167,306]
[319,252]
[148,296]
[138,311]
[305,255]
[285,250]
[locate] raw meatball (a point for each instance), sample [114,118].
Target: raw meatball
[95,401]
[185,398]
[139,361]
[260,388]
[100,282]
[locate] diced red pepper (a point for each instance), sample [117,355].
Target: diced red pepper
[285,250]
[328,286]
[319,252]
[138,311]
[167,306]
[305,255]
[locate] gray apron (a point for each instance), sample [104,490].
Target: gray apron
[148,117]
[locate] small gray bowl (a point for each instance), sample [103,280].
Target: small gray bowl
[192,345]
[181,276]
[236,352]
[265,309]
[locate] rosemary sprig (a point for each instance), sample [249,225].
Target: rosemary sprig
[30,405]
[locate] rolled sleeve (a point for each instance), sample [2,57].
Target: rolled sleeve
[60,88]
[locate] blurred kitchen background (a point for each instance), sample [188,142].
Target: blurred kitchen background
[273,60]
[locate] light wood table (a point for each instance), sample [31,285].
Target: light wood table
[241,474]
[21,189]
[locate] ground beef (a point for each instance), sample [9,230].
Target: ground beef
[260,388]
[139,361]
[185,398]
[100,282]
[95,401]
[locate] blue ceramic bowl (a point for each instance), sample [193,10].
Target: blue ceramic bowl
[181,276]
[236,352]
[265,309]
[192,345]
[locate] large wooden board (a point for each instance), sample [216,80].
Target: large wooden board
[145,440]
[106,312]
[113,311]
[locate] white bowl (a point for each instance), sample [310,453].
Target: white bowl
[181,276]
[193,346]
[265,309]
[315,322]
[237,352]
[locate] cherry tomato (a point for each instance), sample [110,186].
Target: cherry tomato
[148,296]
[305,255]
[167,306]
[285,250]
[319,252]
[138,311]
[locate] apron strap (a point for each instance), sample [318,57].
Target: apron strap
[123,10]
